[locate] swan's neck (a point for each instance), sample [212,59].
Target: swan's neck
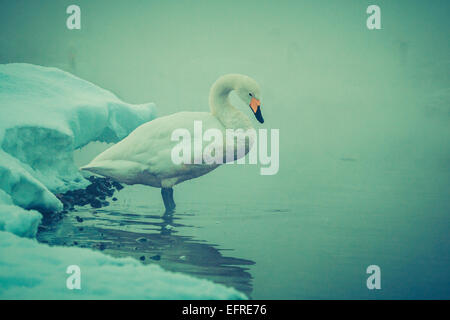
[221,107]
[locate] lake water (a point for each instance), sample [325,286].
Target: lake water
[315,244]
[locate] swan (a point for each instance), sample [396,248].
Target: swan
[144,156]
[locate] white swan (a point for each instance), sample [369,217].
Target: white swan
[144,156]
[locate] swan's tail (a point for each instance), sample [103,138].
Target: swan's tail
[119,170]
[94,168]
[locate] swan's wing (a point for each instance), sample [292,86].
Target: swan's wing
[150,145]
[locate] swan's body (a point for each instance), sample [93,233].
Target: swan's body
[144,156]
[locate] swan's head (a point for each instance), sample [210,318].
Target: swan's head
[245,87]
[248,91]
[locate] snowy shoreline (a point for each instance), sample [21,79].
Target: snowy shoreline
[45,114]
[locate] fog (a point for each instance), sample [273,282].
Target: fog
[363,117]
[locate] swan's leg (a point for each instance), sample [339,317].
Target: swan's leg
[167,195]
[172,203]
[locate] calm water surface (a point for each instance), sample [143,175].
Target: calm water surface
[316,245]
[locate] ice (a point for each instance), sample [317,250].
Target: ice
[45,114]
[37,271]
[23,188]
[14,219]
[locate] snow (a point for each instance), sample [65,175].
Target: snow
[45,114]
[14,219]
[37,271]
[23,188]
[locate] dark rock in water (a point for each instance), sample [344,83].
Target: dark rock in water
[142,258]
[95,203]
[95,194]
[79,219]
[117,185]
[156,257]
[101,246]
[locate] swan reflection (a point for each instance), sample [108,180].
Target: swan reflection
[149,237]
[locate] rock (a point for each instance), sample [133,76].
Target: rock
[105,203]
[117,185]
[96,204]
[95,194]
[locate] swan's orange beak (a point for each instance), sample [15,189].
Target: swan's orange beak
[255,105]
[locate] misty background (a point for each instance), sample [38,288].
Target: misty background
[363,118]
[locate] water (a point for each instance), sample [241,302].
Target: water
[143,233]
[364,130]
[317,245]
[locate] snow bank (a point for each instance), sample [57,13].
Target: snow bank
[37,271]
[14,219]
[45,114]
